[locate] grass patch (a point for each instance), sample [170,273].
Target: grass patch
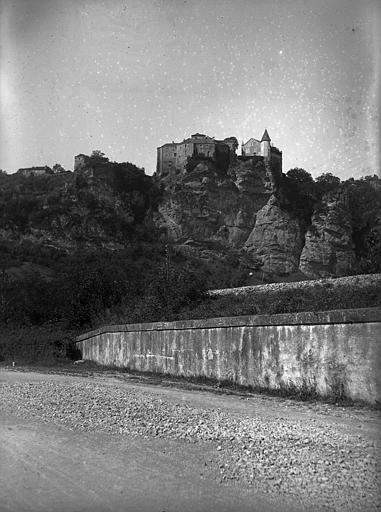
[321,297]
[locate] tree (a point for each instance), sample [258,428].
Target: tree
[90,284]
[6,285]
[300,176]
[57,168]
[299,188]
[327,182]
[370,262]
[364,197]
[98,158]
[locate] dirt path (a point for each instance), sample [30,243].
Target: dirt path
[51,467]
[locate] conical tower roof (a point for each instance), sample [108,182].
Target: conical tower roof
[265,136]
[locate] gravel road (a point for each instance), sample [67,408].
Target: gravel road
[323,459]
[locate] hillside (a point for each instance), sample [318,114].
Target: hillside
[271,226]
[109,244]
[284,224]
[71,210]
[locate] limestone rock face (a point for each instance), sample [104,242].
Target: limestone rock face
[73,211]
[205,205]
[329,249]
[246,209]
[276,240]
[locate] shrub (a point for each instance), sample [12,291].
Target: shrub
[47,343]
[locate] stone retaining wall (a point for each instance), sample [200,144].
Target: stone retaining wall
[332,352]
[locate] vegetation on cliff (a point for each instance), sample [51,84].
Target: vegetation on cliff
[92,247]
[71,209]
[356,203]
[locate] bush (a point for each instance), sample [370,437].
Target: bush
[48,343]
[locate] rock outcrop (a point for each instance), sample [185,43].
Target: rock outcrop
[245,215]
[276,240]
[329,249]
[206,205]
[76,210]
[247,210]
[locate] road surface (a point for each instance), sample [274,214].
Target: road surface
[50,466]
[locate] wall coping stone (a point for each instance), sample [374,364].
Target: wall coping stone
[337,316]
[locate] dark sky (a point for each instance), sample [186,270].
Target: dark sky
[127,76]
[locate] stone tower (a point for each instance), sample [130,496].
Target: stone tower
[265,145]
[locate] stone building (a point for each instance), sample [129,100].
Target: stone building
[172,157]
[91,167]
[80,161]
[264,149]
[34,171]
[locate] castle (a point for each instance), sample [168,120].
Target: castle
[173,157]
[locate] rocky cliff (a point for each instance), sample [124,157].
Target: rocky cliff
[276,239]
[329,248]
[251,210]
[284,244]
[75,211]
[205,205]
[246,216]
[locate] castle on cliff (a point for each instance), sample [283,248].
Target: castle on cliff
[173,156]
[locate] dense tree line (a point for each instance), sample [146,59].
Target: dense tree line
[82,290]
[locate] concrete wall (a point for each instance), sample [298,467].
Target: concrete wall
[336,350]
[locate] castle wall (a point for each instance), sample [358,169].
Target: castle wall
[208,149]
[231,142]
[173,157]
[183,151]
[167,158]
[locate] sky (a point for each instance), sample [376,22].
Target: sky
[127,76]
